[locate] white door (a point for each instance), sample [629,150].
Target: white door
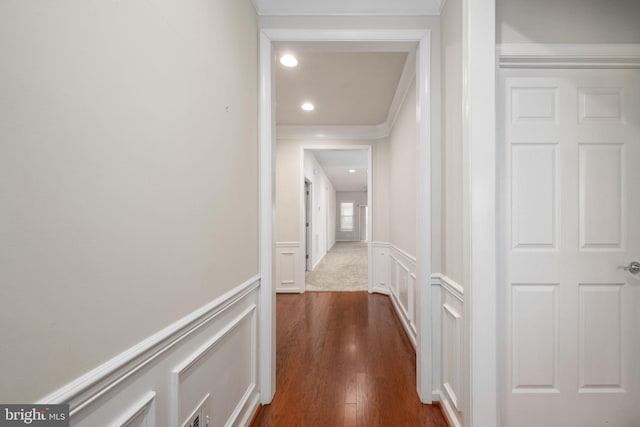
[570,327]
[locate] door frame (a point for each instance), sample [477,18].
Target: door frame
[307,218]
[531,57]
[266,139]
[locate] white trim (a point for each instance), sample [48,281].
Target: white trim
[202,351]
[249,407]
[370,213]
[531,55]
[479,64]
[424,357]
[443,3]
[142,405]
[407,255]
[449,412]
[449,285]
[97,382]
[406,13]
[289,249]
[349,35]
[333,132]
[266,138]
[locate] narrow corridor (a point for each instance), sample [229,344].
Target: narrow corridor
[343,359]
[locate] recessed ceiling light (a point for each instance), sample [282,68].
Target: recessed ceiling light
[288,60]
[307,106]
[352,171]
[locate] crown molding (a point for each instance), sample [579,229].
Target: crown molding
[441,7]
[404,84]
[532,55]
[332,132]
[334,8]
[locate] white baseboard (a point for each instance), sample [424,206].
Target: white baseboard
[142,374]
[449,412]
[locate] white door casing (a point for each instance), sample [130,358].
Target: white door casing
[570,336]
[424,356]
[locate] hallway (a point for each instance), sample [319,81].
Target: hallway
[344,360]
[344,268]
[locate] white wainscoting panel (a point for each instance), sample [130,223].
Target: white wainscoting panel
[448,352]
[534,198]
[381,270]
[212,351]
[601,196]
[600,105]
[289,267]
[403,294]
[534,105]
[223,359]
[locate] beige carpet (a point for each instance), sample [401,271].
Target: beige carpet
[344,268]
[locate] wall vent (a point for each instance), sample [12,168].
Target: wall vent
[199,417]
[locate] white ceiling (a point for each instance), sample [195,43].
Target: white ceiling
[346,88]
[336,164]
[350,7]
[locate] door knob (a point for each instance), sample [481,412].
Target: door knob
[633,267]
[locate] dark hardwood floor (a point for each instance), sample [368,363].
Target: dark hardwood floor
[343,359]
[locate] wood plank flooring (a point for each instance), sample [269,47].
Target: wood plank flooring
[343,359]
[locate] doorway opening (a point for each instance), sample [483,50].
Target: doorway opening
[338,259]
[371,39]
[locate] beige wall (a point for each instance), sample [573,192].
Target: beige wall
[452,184]
[402,176]
[568,21]
[128,176]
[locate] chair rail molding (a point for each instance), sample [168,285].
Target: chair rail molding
[141,372]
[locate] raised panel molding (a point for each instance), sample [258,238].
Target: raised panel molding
[289,267]
[141,414]
[230,357]
[600,335]
[98,397]
[601,192]
[534,196]
[534,338]
[452,354]
[600,105]
[448,333]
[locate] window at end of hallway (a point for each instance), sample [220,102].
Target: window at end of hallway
[346,216]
